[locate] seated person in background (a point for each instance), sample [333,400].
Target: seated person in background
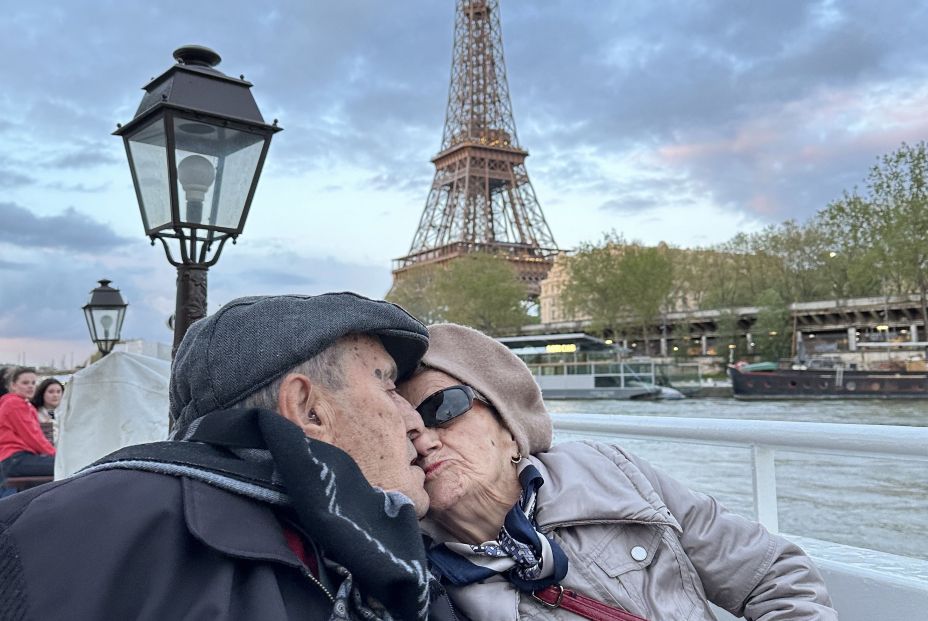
[4,374]
[582,524]
[24,450]
[47,398]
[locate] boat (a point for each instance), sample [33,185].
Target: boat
[582,366]
[827,380]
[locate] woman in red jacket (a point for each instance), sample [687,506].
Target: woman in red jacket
[24,451]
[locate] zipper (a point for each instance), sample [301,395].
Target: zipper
[316,581]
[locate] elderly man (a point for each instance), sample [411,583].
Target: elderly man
[261,506]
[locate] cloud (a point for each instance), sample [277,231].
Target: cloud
[700,112]
[280,271]
[81,188]
[70,230]
[13,265]
[85,156]
[13,179]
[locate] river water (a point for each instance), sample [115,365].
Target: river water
[880,504]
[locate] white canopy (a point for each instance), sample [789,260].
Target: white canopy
[119,400]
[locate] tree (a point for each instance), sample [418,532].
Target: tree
[482,291]
[852,261]
[646,279]
[772,333]
[415,292]
[898,186]
[594,287]
[615,284]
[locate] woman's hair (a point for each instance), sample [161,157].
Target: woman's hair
[38,399]
[14,375]
[4,372]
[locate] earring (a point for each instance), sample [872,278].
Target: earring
[516,459]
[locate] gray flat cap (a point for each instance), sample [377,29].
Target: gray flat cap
[250,342]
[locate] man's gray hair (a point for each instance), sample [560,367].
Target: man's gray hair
[324,369]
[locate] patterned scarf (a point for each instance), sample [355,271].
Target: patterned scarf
[526,557]
[373,535]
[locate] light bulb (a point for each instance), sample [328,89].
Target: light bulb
[107,322]
[195,174]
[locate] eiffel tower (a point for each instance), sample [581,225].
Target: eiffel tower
[481,199]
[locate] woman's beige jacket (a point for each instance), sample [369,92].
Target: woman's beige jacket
[638,539]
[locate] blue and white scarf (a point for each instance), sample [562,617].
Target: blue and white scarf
[258,454]
[526,557]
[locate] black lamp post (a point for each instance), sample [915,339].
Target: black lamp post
[104,313]
[196,147]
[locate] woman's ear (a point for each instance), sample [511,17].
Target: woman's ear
[302,403]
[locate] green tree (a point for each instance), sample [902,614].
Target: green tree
[898,186]
[415,292]
[481,291]
[646,279]
[615,284]
[594,287]
[772,332]
[796,256]
[852,259]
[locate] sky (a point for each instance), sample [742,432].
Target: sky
[676,121]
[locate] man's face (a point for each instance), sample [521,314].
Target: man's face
[374,424]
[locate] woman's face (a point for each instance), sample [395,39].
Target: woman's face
[52,397]
[24,385]
[467,457]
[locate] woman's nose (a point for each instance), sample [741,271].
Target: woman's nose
[426,441]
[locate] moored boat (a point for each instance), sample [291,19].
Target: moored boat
[582,366]
[768,381]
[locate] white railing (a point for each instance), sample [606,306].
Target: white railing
[859,591]
[764,438]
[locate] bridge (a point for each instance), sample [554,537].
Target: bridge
[826,326]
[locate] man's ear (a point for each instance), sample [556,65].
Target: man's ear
[302,403]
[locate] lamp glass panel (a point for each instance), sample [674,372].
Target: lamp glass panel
[213,187]
[107,322]
[150,162]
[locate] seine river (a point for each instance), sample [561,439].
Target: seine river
[864,502]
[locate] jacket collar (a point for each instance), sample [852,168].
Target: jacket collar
[588,482]
[235,525]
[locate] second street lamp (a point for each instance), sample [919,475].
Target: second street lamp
[196,147]
[104,314]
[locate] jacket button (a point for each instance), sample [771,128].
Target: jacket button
[639,553]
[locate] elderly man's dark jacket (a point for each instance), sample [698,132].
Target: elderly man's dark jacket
[139,545]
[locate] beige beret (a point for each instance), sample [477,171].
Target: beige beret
[490,368]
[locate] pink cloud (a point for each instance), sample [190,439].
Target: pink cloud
[42,352]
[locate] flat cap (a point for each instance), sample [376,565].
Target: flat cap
[490,368]
[251,341]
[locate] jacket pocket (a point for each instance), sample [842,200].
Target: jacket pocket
[647,565]
[632,547]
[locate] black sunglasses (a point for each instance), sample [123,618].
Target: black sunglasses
[443,406]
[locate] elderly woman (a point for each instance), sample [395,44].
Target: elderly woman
[521,530]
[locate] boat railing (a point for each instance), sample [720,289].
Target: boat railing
[763,438]
[863,584]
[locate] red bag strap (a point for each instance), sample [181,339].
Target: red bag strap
[556,596]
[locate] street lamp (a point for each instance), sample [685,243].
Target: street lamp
[104,313]
[196,147]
